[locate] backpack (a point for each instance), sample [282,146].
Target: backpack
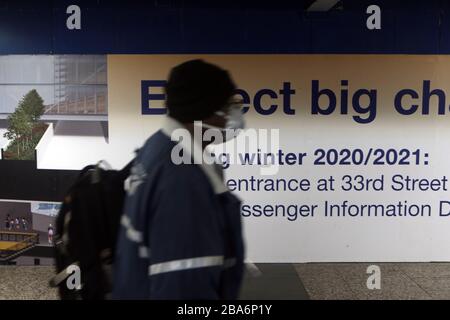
[87,227]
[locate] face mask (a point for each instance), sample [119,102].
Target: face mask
[234,124]
[235,119]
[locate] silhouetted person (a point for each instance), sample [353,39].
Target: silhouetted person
[181,229]
[24,224]
[8,222]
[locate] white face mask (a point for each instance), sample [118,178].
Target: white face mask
[235,119]
[234,124]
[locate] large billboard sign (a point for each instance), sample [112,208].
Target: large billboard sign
[361,160]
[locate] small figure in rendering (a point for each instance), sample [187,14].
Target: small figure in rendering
[24,224]
[50,234]
[8,222]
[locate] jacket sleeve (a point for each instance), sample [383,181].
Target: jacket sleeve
[186,238]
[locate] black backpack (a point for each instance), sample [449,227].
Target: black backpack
[87,226]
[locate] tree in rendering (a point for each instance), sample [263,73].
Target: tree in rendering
[22,124]
[33,105]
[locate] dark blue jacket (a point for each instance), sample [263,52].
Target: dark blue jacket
[181,234]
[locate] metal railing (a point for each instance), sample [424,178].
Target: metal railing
[23,240]
[15,236]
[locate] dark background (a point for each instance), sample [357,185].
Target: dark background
[21,180]
[219,26]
